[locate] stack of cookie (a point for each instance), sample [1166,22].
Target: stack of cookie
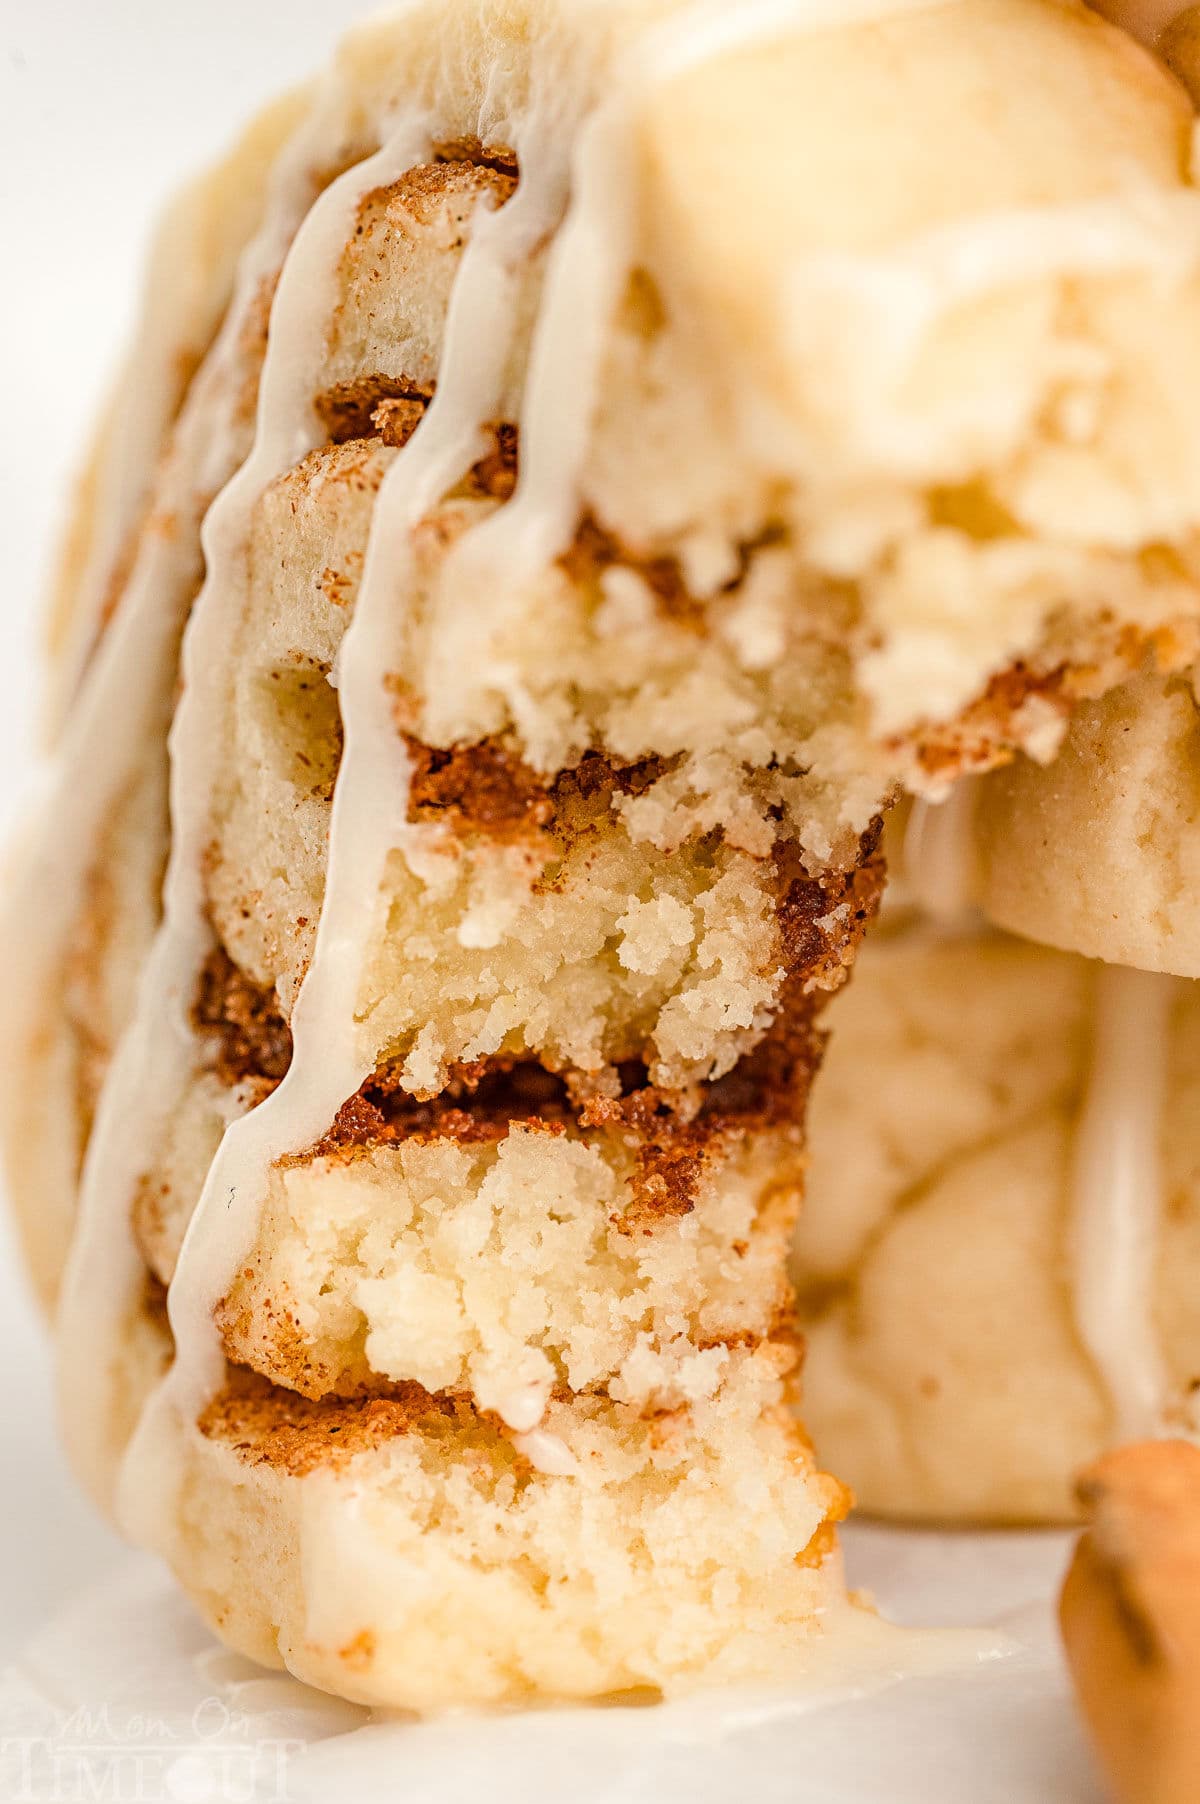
[618,469]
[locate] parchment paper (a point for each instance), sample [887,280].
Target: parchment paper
[125,1696]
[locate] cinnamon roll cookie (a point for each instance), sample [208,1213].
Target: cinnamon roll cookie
[1003,1137]
[676,428]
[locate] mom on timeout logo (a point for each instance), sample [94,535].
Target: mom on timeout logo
[100,1757]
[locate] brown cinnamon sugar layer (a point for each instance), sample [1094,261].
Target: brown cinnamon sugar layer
[497,157]
[154,1301]
[484,787]
[382,407]
[595,549]
[396,417]
[269,1426]
[487,788]
[422,190]
[481,1103]
[247,1037]
[494,475]
[979,738]
[667,1180]
[348,410]
[244,1041]
[768,1089]
[822,920]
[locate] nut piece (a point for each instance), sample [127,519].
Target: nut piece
[1130,1619]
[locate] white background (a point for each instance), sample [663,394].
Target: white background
[105,106]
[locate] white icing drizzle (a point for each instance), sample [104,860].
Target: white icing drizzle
[1116,1178]
[588,263]
[156,1056]
[498,560]
[1116,1195]
[939,859]
[547,1453]
[147,388]
[106,735]
[524,1405]
[332,1056]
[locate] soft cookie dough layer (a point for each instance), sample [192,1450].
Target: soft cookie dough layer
[1100,853]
